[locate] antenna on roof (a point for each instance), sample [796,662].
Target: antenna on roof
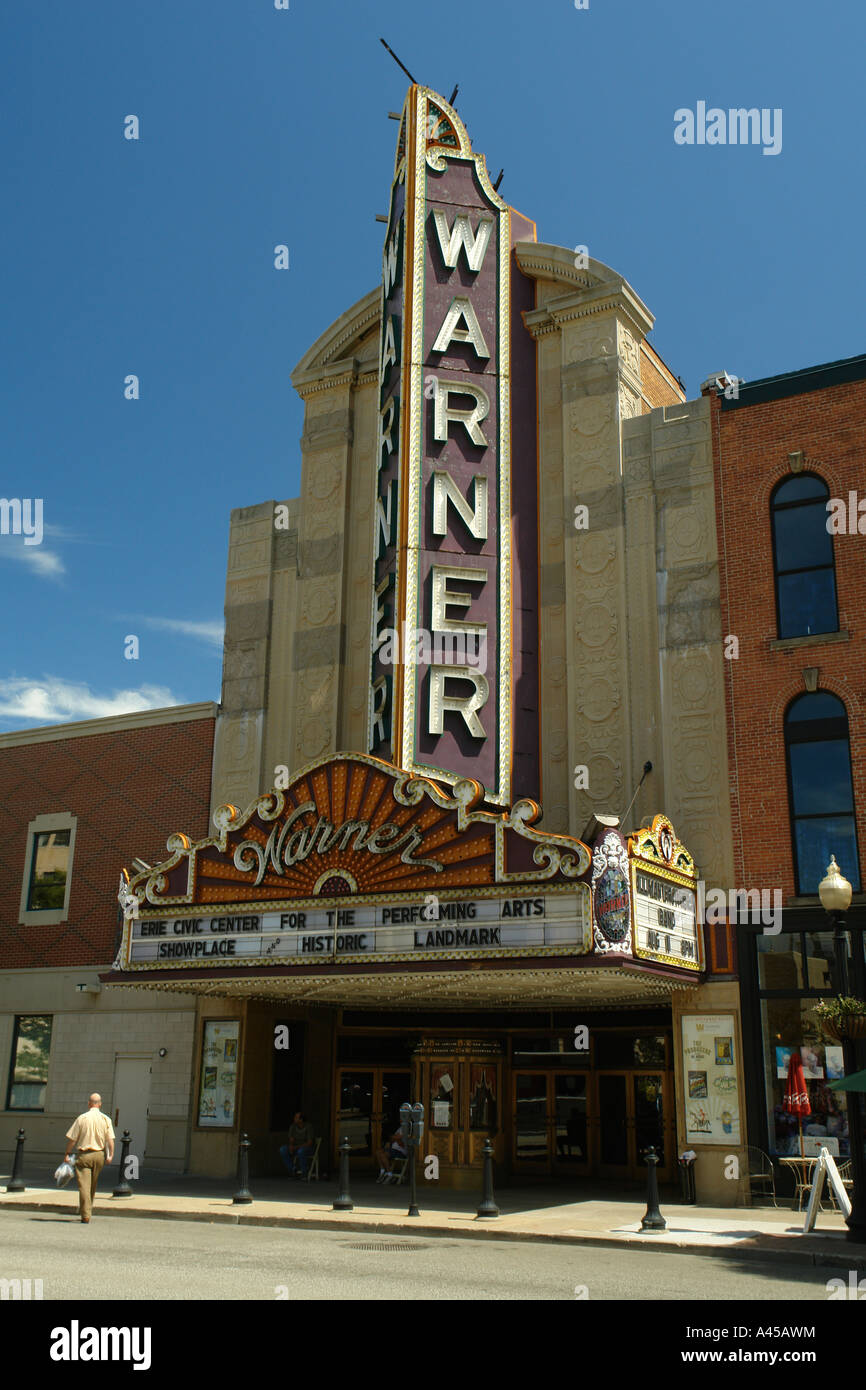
[397,61]
[647,767]
[454,93]
[499,180]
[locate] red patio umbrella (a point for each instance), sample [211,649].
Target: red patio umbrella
[796,1097]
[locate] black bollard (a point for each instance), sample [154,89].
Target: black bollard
[15,1183]
[123,1188]
[342,1201]
[488,1206]
[653,1219]
[243,1193]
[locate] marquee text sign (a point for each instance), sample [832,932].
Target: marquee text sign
[427,927]
[664,898]
[454,620]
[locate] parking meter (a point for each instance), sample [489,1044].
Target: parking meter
[417,1122]
[412,1122]
[406,1121]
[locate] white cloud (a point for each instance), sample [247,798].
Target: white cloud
[46,563]
[56,701]
[211,633]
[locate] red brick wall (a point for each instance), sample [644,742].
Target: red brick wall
[751,445]
[129,789]
[659,384]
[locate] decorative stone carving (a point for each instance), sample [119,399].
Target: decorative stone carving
[589,415]
[598,624]
[320,602]
[595,550]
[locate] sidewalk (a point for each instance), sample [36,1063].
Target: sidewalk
[597,1217]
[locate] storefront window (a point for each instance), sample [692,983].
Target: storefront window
[790,1025]
[482,1096]
[780,961]
[556,1052]
[30,1053]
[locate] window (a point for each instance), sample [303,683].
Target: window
[48,869]
[28,1074]
[49,863]
[803,558]
[821,792]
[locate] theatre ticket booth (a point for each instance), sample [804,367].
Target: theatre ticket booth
[517,983]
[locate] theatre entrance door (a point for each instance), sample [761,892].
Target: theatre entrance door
[635,1110]
[367,1103]
[550,1133]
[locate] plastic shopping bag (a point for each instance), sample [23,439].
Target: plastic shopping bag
[64,1174]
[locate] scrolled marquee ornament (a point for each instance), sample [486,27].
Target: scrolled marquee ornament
[611,900]
[351,825]
[659,844]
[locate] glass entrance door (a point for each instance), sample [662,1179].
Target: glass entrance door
[635,1111]
[367,1108]
[551,1121]
[531,1133]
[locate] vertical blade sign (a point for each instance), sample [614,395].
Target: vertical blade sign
[443,675]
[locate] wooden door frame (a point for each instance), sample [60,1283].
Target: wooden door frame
[551,1166]
[377,1114]
[634,1170]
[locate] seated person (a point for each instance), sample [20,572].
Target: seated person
[297,1153]
[395,1148]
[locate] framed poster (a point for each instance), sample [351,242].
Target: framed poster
[217,1097]
[442,1095]
[712,1108]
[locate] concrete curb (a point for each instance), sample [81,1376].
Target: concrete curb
[835,1253]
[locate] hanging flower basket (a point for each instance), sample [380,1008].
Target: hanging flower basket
[842,1018]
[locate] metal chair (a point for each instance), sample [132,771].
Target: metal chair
[398,1173]
[312,1165]
[760,1177]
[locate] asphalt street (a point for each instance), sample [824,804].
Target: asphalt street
[121,1257]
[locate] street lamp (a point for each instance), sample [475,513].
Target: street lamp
[835,893]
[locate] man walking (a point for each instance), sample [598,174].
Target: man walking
[92,1134]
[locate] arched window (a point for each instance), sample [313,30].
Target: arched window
[822,796]
[803,557]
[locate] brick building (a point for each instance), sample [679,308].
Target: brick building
[77,801]
[789,468]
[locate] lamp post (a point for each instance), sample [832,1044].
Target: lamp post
[835,893]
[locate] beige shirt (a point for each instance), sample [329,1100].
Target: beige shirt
[91,1131]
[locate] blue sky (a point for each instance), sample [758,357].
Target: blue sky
[260,127]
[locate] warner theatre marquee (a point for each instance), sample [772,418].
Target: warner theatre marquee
[359,877]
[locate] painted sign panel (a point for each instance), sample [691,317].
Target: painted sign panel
[611,903]
[452,655]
